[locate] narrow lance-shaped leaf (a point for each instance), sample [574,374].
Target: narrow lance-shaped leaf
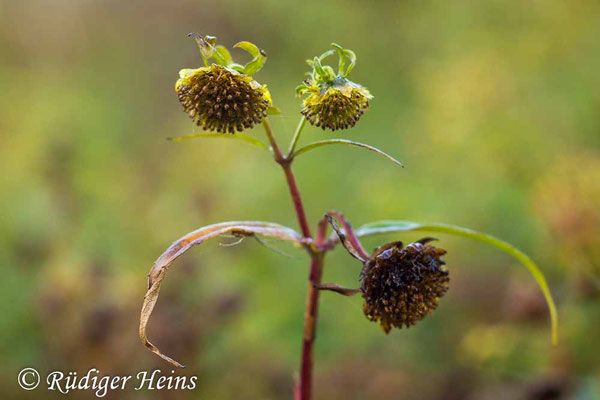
[238,136]
[342,62]
[352,56]
[407,226]
[161,265]
[318,67]
[346,142]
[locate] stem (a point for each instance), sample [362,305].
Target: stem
[279,157]
[298,205]
[303,390]
[310,315]
[310,326]
[296,137]
[290,178]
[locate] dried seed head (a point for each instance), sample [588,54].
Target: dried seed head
[221,99]
[402,285]
[337,106]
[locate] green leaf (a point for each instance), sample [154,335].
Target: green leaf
[330,73]
[318,67]
[239,136]
[407,226]
[255,65]
[238,67]
[346,142]
[224,53]
[180,246]
[344,54]
[300,89]
[326,54]
[272,110]
[352,56]
[259,57]
[249,47]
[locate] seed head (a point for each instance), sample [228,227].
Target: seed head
[221,99]
[333,102]
[402,285]
[337,106]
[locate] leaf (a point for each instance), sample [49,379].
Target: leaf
[162,264]
[207,48]
[347,237]
[238,67]
[346,142]
[255,65]
[300,89]
[345,53]
[326,54]
[318,67]
[272,110]
[239,136]
[222,50]
[249,47]
[407,226]
[352,56]
[259,57]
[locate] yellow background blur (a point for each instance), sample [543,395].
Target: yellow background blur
[493,106]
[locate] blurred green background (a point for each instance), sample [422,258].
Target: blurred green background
[493,106]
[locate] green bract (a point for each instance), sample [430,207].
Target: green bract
[221,56]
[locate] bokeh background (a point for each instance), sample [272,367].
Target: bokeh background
[493,106]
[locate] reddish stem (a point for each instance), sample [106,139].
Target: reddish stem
[304,390]
[298,205]
[310,316]
[290,178]
[310,327]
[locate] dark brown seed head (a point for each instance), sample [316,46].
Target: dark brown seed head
[402,285]
[206,95]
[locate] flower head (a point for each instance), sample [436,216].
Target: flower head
[333,102]
[222,96]
[221,99]
[402,285]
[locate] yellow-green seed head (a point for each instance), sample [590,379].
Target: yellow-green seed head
[337,106]
[333,102]
[221,99]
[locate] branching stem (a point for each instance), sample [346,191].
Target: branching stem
[303,391]
[296,137]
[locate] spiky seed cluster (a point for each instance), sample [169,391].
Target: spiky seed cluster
[221,99]
[402,285]
[336,108]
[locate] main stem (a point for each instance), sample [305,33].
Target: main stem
[303,391]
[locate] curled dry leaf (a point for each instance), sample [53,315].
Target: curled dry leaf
[347,236]
[161,265]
